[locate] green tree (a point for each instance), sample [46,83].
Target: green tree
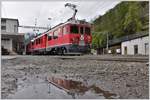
[125,18]
[132,21]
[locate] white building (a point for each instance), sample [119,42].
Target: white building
[10,38]
[9,25]
[138,45]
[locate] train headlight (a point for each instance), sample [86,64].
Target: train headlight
[82,37]
[89,39]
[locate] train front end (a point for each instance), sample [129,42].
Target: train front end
[80,37]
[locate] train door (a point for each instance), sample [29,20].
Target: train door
[45,42]
[81,41]
[55,37]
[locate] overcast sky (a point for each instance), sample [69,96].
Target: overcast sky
[26,11]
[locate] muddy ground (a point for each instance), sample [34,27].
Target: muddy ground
[124,77]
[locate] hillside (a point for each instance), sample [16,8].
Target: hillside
[128,17]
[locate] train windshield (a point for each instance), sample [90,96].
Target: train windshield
[81,30]
[74,29]
[87,30]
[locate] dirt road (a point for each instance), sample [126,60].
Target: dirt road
[26,76]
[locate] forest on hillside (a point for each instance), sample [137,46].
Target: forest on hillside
[128,17]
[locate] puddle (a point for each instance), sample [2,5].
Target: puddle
[81,89]
[56,88]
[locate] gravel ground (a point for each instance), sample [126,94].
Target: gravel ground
[127,79]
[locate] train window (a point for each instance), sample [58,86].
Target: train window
[64,30]
[49,37]
[81,30]
[36,41]
[55,35]
[41,40]
[59,30]
[74,29]
[87,30]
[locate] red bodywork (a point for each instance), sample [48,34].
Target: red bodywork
[61,36]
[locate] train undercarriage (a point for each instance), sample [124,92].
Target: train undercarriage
[62,50]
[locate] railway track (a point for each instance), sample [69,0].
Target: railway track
[108,58]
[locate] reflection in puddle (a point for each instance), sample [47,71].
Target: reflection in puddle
[79,88]
[56,88]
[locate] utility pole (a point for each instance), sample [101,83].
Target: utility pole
[107,43]
[35,26]
[49,26]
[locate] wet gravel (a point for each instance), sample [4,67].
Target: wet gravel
[126,79]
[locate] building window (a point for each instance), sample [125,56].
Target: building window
[5,39]
[3,21]
[146,49]
[15,28]
[135,49]
[3,27]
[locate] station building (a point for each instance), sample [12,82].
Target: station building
[137,45]
[134,44]
[10,38]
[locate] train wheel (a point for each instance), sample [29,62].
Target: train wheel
[64,51]
[59,51]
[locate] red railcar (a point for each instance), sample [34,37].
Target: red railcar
[73,36]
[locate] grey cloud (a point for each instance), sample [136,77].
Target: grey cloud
[26,12]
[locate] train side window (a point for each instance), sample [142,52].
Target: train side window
[41,40]
[87,30]
[55,35]
[64,30]
[81,30]
[60,32]
[36,41]
[49,36]
[74,29]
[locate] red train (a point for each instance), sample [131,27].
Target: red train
[73,36]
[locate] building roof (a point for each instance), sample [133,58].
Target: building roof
[128,38]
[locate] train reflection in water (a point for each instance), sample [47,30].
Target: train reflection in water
[77,88]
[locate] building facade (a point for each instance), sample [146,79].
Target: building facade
[9,25]
[10,38]
[138,46]
[133,44]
